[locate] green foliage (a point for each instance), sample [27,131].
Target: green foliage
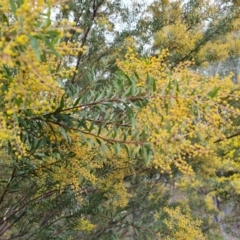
[97,140]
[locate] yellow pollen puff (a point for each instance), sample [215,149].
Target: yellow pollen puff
[9,112]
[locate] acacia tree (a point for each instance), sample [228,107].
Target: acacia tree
[59,141]
[91,152]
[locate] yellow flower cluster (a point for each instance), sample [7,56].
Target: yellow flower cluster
[113,183]
[190,114]
[178,38]
[182,226]
[84,225]
[28,83]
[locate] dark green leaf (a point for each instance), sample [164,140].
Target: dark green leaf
[34,44]
[50,46]
[13,6]
[214,92]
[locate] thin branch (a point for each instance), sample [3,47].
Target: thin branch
[228,137]
[10,225]
[87,105]
[62,229]
[8,184]
[84,39]
[108,123]
[45,195]
[110,140]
